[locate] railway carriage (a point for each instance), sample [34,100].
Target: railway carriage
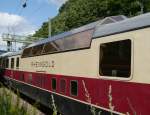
[99,69]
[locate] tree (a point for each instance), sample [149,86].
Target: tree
[75,13]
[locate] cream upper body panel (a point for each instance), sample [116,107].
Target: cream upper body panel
[141,62]
[74,63]
[15,62]
[140,58]
[85,63]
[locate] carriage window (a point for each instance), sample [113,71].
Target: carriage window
[54,83]
[115,59]
[27,52]
[7,63]
[30,78]
[49,48]
[12,62]
[62,86]
[74,88]
[3,63]
[37,50]
[75,41]
[0,62]
[17,62]
[22,77]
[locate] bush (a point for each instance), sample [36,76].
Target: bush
[9,105]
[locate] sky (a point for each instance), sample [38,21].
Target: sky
[14,19]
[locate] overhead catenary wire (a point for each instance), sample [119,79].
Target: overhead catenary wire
[24,5]
[34,12]
[19,10]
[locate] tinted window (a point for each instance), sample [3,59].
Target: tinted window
[115,59]
[37,50]
[0,62]
[3,62]
[7,63]
[22,77]
[62,86]
[17,62]
[76,41]
[49,48]
[30,78]
[74,88]
[53,83]
[12,62]
[27,52]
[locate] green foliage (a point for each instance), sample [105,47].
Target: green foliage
[43,31]
[75,13]
[9,108]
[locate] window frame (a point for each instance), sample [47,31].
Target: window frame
[21,77]
[7,63]
[44,52]
[3,62]
[12,67]
[131,68]
[71,88]
[91,30]
[30,78]
[52,84]
[65,86]
[0,62]
[17,62]
[37,50]
[29,53]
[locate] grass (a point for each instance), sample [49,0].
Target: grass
[11,106]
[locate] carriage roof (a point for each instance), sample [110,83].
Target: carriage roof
[93,25]
[107,26]
[129,24]
[8,54]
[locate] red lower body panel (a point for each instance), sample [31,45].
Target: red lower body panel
[124,97]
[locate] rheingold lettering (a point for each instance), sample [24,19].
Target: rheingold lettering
[42,64]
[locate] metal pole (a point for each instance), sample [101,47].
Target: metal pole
[141,4]
[142,7]
[8,45]
[49,27]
